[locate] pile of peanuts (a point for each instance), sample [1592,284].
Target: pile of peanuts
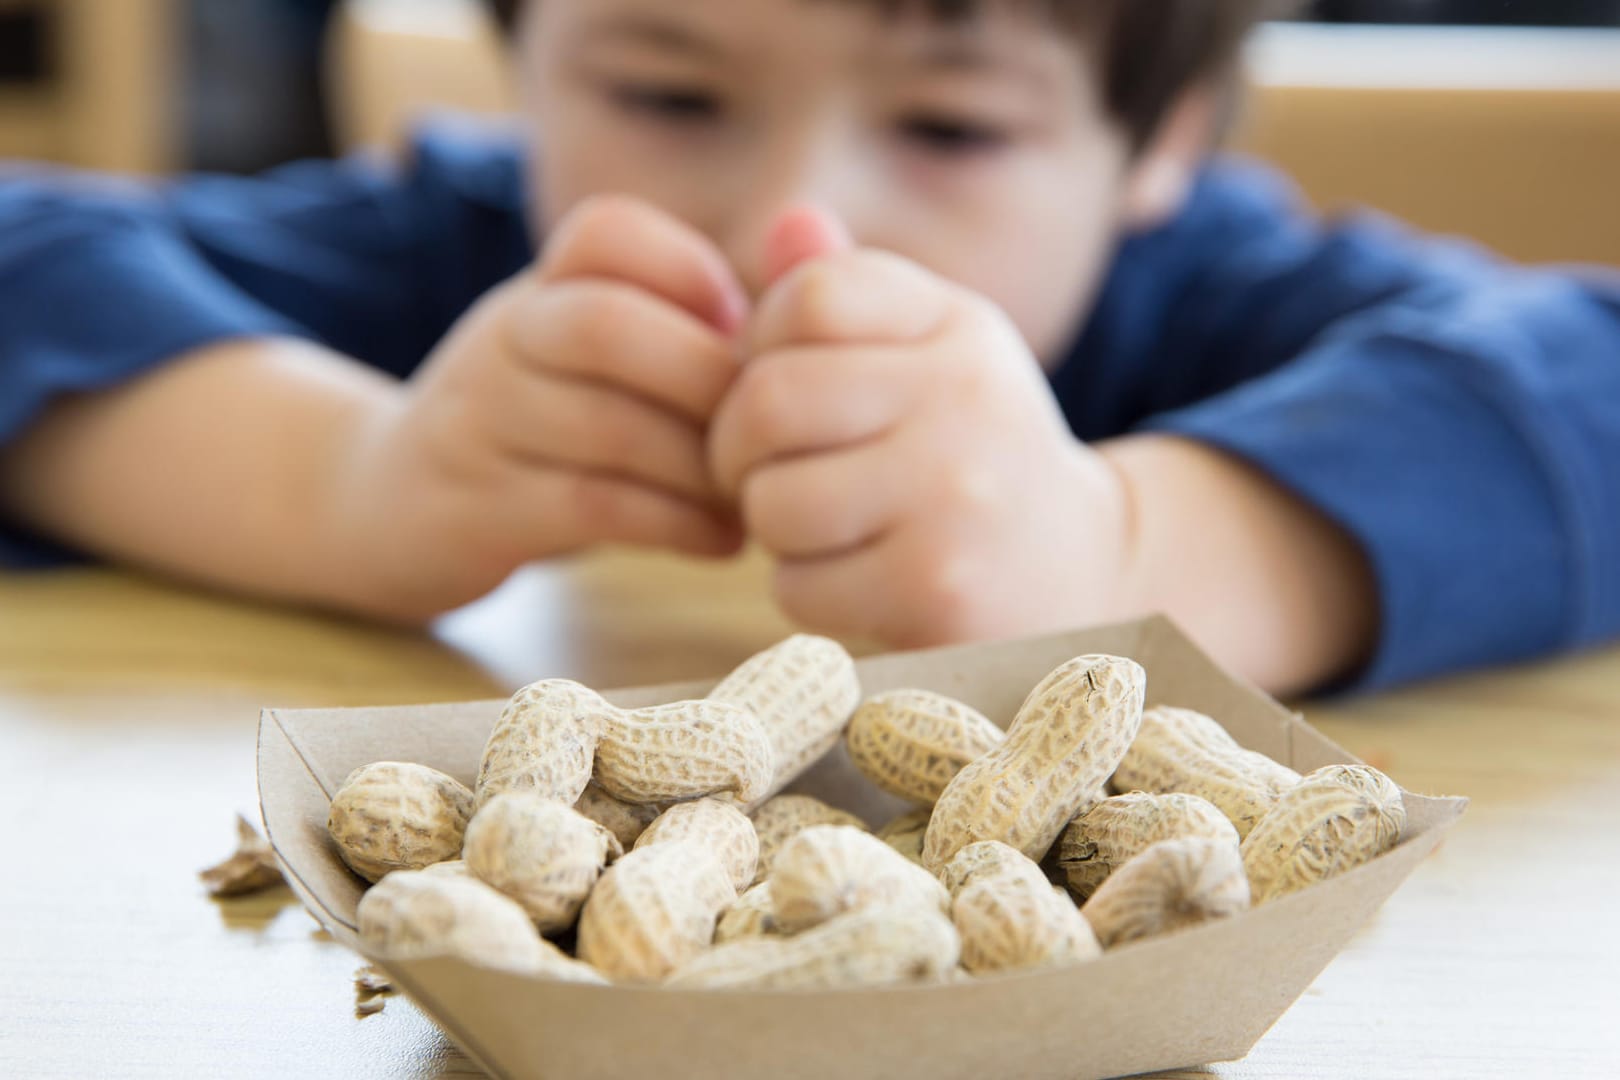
[650,847]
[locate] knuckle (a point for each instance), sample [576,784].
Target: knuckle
[970,386]
[758,502]
[599,219]
[813,302]
[592,320]
[452,440]
[593,504]
[943,595]
[982,313]
[501,324]
[619,442]
[986,328]
[970,492]
[766,401]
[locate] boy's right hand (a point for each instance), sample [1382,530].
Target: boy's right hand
[567,408]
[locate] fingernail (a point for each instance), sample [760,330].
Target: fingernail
[802,233]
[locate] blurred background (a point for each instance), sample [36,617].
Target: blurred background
[1498,119]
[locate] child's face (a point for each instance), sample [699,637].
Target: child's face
[981,150]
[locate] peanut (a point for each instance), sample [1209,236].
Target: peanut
[653,910]
[879,945]
[982,859]
[803,690]
[449,868]
[555,735]
[1337,817]
[906,833]
[540,853]
[1170,885]
[827,870]
[683,750]
[544,742]
[783,817]
[624,820]
[414,914]
[1114,831]
[750,916]
[393,815]
[911,743]
[718,826]
[656,908]
[1009,916]
[1186,751]
[1066,739]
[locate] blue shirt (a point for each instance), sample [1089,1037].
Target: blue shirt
[1458,416]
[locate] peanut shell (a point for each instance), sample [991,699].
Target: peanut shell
[750,916]
[906,833]
[544,742]
[1336,818]
[1170,885]
[827,870]
[413,914]
[1117,829]
[717,826]
[803,690]
[880,945]
[653,910]
[1065,741]
[1179,750]
[1009,916]
[683,750]
[393,815]
[911,743]
[540,853]
[624,820]
[783,817]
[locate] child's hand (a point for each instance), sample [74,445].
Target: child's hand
[566,409]
[894,443]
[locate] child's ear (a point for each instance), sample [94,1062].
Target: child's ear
[1163,173]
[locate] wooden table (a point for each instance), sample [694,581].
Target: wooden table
[127,720]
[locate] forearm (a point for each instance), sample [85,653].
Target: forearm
[1259,578]
[218,467]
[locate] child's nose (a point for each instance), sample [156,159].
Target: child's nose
[814,189]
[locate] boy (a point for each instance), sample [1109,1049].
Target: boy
[834,276]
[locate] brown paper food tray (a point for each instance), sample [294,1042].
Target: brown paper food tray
[1199,996]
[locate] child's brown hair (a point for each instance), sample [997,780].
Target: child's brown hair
[1151,50]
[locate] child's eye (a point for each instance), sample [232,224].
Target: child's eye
[957,138]
[671,103]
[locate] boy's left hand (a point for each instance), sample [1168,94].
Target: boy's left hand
[894,443]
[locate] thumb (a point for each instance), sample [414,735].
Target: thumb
[799,235]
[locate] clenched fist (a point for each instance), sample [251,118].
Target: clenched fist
[894,444]
[568,408]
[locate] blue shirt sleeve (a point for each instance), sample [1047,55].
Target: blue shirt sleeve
[102,280]
[1458,417]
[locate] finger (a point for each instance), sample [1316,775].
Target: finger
[566,509]
[898,589]
[860,296]
[621,336]
[802,400]
[801,234]
[627,240]
[568,422]
[824,504]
